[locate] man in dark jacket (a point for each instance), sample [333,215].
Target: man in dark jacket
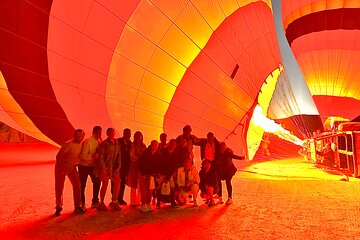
[209,147]
[125,143]
[190,140]
[148,165]
[181,152]
[166,170]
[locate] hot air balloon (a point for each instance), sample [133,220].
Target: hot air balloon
[147,65]
[324,36]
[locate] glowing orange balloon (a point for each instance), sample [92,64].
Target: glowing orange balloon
[152,65]
[324,36]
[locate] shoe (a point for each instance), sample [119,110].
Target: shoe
[133,205]
[95,205]
[229,201]
[220,200]
[195,203]
[122,202]
[115,205]
[144,208]
[112,203]
[102,207]
[182,203]
[211,203]
[174,204]
[58,211]
[153,201]
[149,208]
[79,210]
[158,205]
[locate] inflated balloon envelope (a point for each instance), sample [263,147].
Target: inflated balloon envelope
[152,66]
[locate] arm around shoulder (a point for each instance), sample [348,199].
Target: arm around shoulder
[61,152]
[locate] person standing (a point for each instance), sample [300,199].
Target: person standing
[190,139]
[148,165]
[265,147]
[125,144]
[208,147]
[89,162]
[181,153]
[110,163]
[226,169]
[136,150]
[163,141]
[167,174]
[66,161]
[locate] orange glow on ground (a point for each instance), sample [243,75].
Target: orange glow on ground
[291,169]
[272,200]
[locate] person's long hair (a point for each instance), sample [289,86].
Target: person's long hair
[141,141]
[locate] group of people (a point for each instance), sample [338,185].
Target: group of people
[162,172]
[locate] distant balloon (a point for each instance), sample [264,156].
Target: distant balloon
[324,36]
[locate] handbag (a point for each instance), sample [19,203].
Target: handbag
[152,183]
[165,188]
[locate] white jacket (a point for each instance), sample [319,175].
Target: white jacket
[193,176]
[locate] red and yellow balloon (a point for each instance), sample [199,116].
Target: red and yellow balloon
[151,65]
[325,38]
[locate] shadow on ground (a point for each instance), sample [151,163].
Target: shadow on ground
[129,223]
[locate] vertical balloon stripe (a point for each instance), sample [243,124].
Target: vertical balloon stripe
[23,63]
[82,38]
[207,97]
[154,62]
[17,118]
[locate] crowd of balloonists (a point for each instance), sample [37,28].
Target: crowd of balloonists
[161,173]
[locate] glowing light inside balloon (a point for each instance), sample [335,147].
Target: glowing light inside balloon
[270,126]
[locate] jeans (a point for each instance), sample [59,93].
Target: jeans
[228,187]
[73,176]
[145,191]
[84,172]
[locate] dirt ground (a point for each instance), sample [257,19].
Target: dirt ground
[283,199]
